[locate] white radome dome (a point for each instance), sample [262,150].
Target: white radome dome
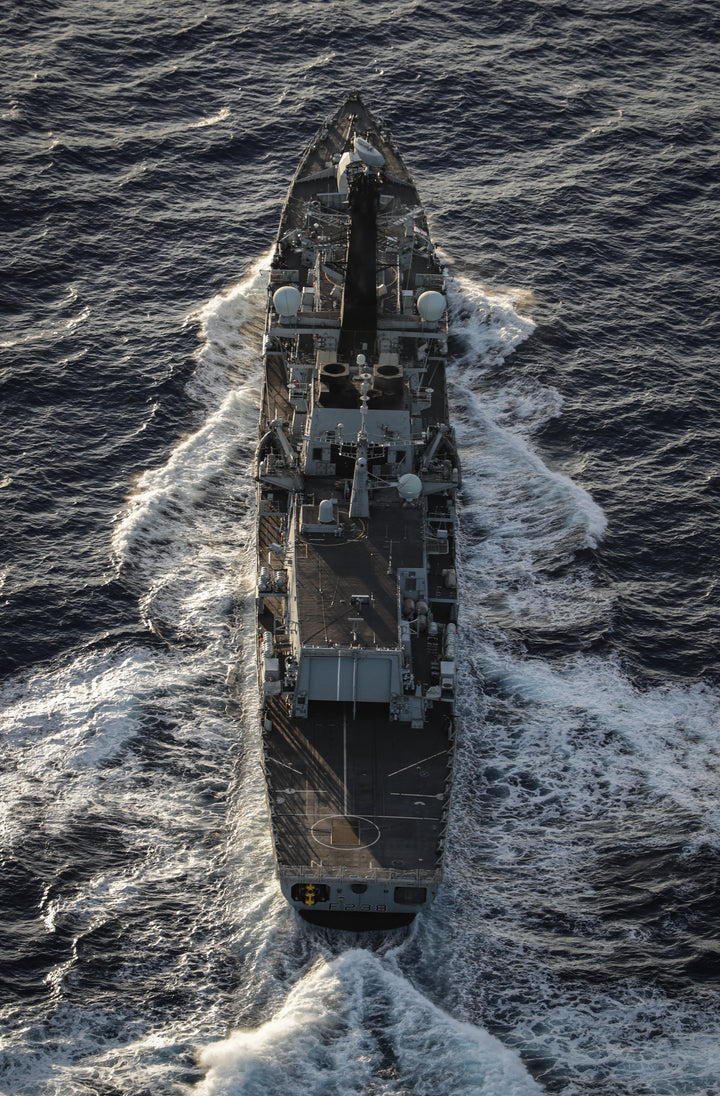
[286,300]
[409,487]
[431,305]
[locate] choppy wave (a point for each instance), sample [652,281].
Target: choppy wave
[573,949]
[352,1026]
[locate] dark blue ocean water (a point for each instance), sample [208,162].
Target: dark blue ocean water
[568,158]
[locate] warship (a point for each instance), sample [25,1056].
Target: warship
[357,477]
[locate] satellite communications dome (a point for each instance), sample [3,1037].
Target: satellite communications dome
[287,300]
[431,305]
[409,487]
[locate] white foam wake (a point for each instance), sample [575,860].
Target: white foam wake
[185,537]
[564,743]
[353,1027]
[522,521]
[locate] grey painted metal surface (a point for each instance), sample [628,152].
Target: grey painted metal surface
[357,474]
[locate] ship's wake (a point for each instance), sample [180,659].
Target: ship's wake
[136,770]
[352,1027]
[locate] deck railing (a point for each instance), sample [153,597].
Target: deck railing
[323,871]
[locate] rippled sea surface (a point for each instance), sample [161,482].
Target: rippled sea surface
[568,158]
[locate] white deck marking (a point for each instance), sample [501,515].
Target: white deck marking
[326,822]
[286,765]
[375,818]
[345,801]
[420,762]
[420,795]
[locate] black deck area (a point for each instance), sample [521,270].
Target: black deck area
[363,793]
[362,560]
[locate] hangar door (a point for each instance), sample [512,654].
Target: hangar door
[348,677]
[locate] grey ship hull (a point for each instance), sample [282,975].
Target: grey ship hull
[356,474]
